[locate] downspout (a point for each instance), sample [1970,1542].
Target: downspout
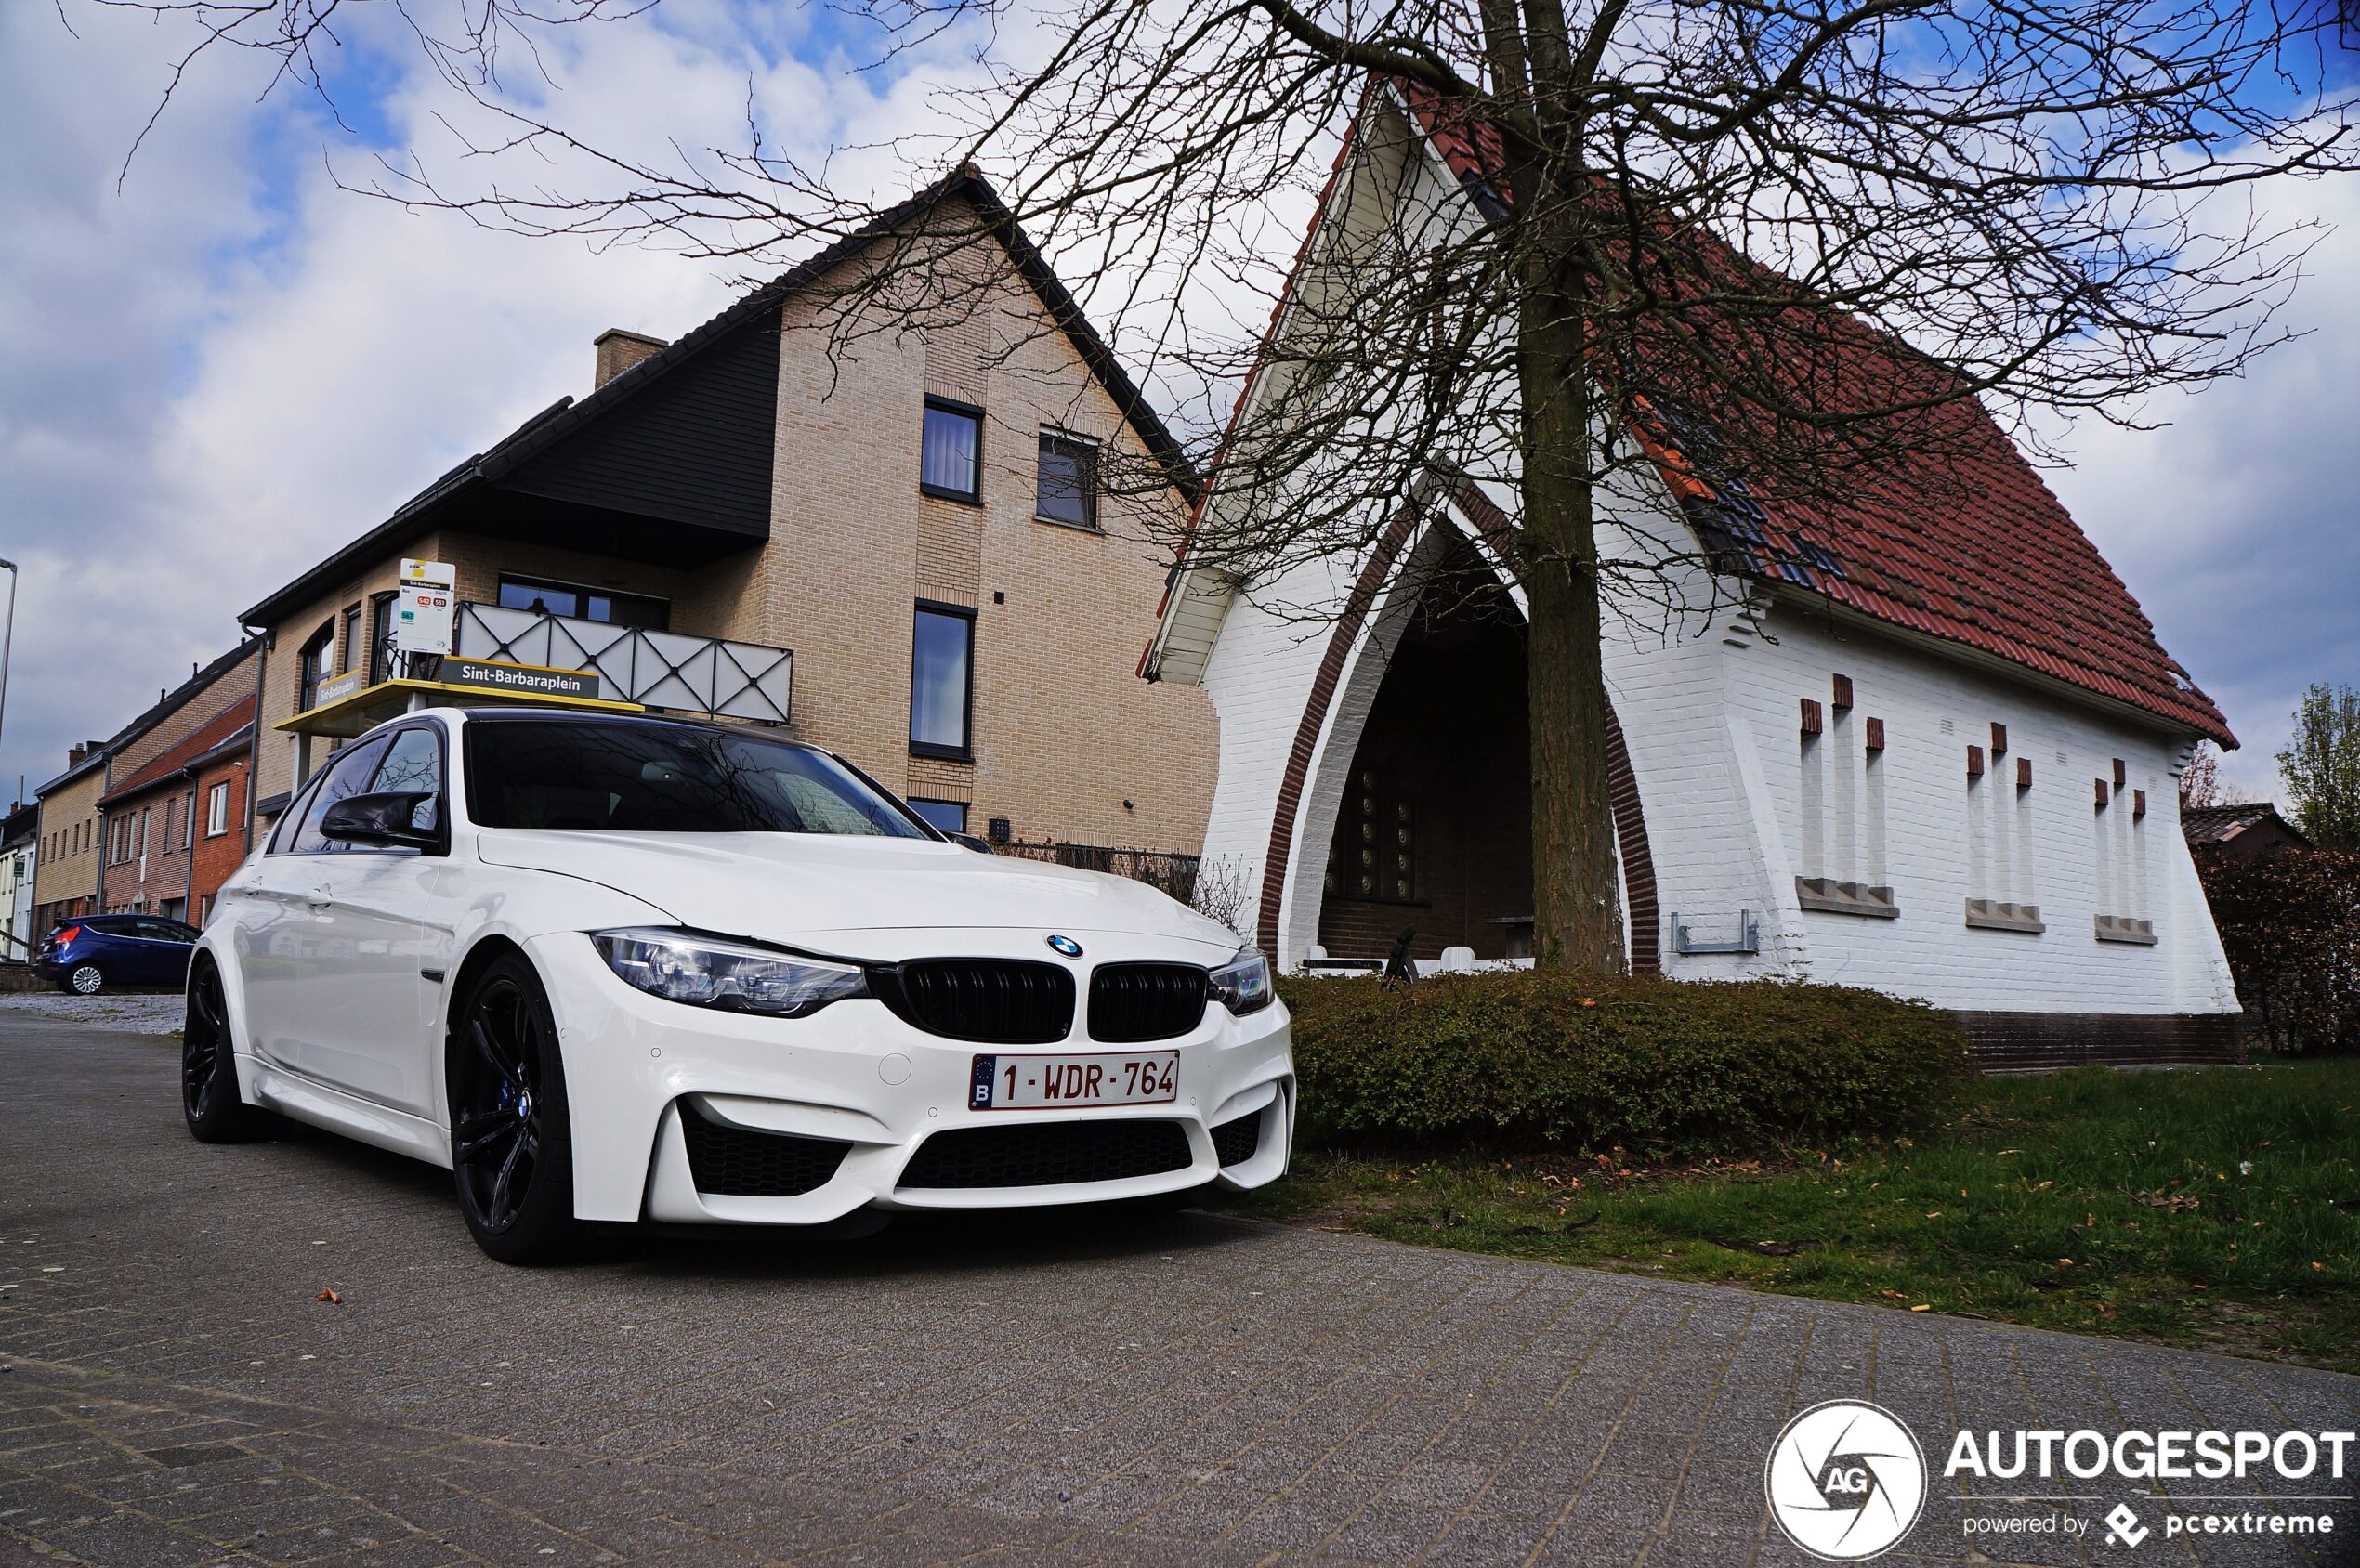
[261,635]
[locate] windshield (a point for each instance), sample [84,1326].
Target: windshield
[595,776]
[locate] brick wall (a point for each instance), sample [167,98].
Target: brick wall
[1064,732]
[152,873]
[65,878]
[219,855]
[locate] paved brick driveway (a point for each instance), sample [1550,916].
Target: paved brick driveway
[1202,1393]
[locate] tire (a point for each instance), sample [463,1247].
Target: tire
[209,1099]
[511,1137]
[83,980]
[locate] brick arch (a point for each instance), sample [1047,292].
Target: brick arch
[1640,903]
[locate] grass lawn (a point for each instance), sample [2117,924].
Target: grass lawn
[2217,1208]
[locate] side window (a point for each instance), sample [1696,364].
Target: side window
[413,765]
[348,773]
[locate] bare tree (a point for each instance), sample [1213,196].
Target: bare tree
[1765,245]
[2200,782]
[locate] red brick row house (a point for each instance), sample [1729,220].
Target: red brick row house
[174,828]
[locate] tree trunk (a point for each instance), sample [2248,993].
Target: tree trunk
[1576,891]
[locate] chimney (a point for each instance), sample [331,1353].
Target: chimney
[619,350]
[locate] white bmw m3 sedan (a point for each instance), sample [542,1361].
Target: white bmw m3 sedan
[638,969]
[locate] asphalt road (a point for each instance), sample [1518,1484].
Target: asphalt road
[1033,1389]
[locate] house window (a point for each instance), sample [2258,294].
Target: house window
[943,816]
[143,850]
[217,810]
[951,456]
[941,681]
[1068,484]
[380,633]
[352,654]
[583,603]
[311,667]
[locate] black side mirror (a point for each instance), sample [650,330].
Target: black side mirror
[387,819]
[968,840]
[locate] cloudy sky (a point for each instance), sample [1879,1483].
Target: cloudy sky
[215,367]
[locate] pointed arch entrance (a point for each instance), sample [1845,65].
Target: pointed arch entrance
[1406,799]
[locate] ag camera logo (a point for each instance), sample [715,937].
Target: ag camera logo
[1845,1480]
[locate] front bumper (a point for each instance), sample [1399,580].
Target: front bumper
[856,1074]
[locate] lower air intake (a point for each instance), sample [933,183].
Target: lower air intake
[1237,1141]
[733,1162]
[1050,1154]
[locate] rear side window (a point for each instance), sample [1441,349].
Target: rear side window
[347,774]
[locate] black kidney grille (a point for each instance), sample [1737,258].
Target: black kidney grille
[991,1002]
[1141,1001]
[732,1162]
[1049,1154]
[1235,1141]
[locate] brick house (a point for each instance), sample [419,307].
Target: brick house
[1923,741]
[219,776]
[161,812]
[893,543]
[74,825]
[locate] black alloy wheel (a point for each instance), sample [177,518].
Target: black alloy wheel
[511,1152]
[209,1099]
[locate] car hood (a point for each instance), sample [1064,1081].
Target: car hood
[781,885]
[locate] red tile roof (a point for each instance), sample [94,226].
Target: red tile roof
[1959,539]
[212,733]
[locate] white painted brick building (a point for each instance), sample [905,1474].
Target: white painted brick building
[1835,779]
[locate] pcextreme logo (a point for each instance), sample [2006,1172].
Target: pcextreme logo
[1845,1480]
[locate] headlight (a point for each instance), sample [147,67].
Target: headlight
[704,972]
[1243,983]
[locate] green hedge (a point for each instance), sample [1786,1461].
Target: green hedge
[1585,1062]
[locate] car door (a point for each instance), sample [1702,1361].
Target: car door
[290,959]
[163,950]
[377,1022]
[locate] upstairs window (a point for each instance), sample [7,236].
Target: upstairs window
[217,810]
[311,667]
[1068,484]
[578,603]
[950,457]
[941,681]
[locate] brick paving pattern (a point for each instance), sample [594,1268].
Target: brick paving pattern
[1038,1389]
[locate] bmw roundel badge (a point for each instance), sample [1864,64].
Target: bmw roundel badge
[1067,945]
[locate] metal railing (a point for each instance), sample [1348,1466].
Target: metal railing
[1163,869]
[633,664]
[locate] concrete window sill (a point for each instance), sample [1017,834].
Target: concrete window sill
[1830,897]
[1990,914]
[2122,928]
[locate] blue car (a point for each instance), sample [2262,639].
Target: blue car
[88,955]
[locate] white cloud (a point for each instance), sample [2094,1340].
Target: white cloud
[2237,525]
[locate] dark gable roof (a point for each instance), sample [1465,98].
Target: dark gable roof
[167,766]
[166,706]
[2219,824]
[540,459]
[1967,545]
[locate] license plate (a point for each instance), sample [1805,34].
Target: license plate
[1036,1083]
